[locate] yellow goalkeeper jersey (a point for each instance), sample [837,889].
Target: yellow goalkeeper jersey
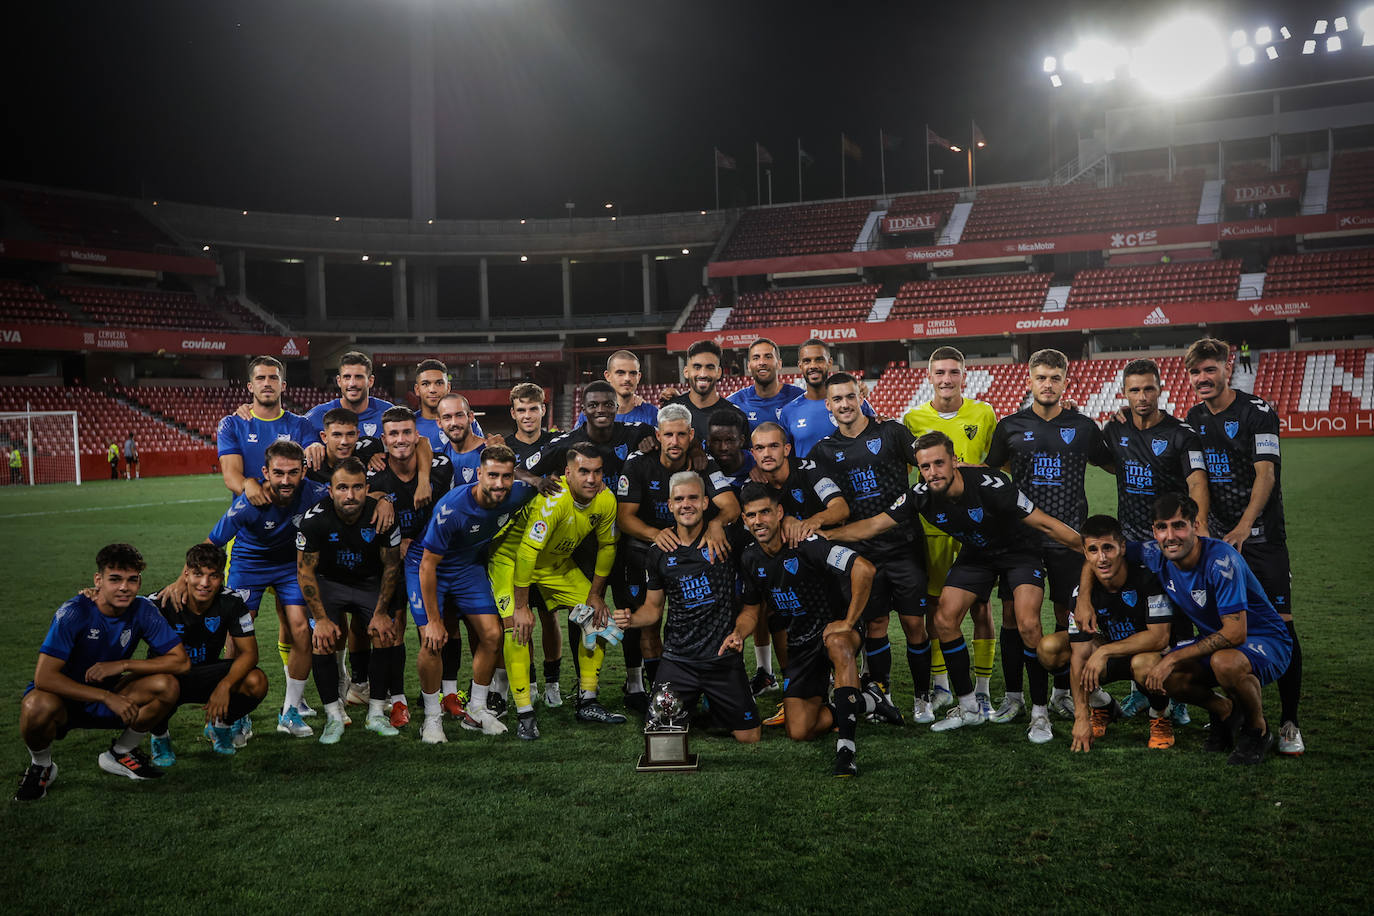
[540,542]
[970,428]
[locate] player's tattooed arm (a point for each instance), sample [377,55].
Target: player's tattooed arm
[424,454]
[382,624]
[306,562]
[1232,634]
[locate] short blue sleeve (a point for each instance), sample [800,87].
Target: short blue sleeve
[232,521]
[1226,580]
[227,436]
[1145,553]
[62,632]
[154,629]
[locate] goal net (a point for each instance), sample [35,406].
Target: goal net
[46,443]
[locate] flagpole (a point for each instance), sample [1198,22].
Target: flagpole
[843,192]
[972,145]
[882,160]
[799,170]
[770,187]
[927,155]
[715,164]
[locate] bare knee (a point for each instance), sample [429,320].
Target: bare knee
[1230,667]
[255,684]
[748,736]
[39,708]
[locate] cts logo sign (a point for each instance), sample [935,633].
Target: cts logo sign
[1135,239]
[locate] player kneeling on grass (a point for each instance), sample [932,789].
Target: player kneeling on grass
[345,567]
[1118,640]
[86,676]
[1242,643]
[697,584]
[229,689]
[802,585]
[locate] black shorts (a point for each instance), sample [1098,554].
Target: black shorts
[807,674]
[201,681]
[724,682]
[899,584]
[629,577]
[1118,667]
[1269,562]
[978,574]
[340,599]
[1062,568]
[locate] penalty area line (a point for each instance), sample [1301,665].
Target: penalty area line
[166,502]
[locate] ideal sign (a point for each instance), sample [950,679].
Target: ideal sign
[915,222]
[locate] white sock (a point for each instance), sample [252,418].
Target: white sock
[521,710]
[431,703]
[447,687]
[295,693]
[588,696]
[844,743]
[499,681]
[983,685]
[41,758]
[128,741]
[1016,695]
[376,708]
[1058,692]
[1156,713]
[634,680]
[969,702]
[162,734]
[942,680]
[479,696]
[1099,698]
[399,698]
[334,710]
[1039,711]
[763,657]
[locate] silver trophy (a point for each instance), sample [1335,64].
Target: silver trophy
[665,734]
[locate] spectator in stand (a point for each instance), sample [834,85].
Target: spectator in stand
[112,456]
[130,458]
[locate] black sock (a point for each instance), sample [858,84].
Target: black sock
[240,705]
[1039,678]
[957,663]
[1290,682]
[575,637]
[552,668]
[1012,659]
[879,652]
[918,660]
[358,664]
[1157,703]
[397,687]
[629,644]
[326,669]
[1061,676]
[847,707]
[650,670]
[379,674]
[452,655]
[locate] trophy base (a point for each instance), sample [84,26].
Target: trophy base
[645,765]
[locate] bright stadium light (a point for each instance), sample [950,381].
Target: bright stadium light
[1246,56]
[1238,39]
[1342,24]
[1055,81]
[1365,20]
[1283,30]
[1333,43]
[1095,60]
[366,258]
[1179,56]
[1264,35]
[686,251]
[1309,46]
[955,149]
[1271,52]
[1050,65]
[524,258]
[1319,28]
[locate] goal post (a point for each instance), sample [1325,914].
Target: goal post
[48,443]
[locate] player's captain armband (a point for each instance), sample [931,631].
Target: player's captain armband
[1160,609]
[1267,444]
[839,557]
[539,531]
[1023,503]
[1196,461]
[825,488]
[300,540]
[623,487]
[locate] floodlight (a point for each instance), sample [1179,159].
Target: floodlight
[686,251]
[1333,43]
[1050,65]
[1319,28]
[1246,56]
[1095,59]
[1283,30]
[955,149]
[1238,38]
[1271,52]
[1264,35]
[365,258]
[1055,81]
[524,258]
[1365,19]
[1342,24]
[1309,46]
[1179,55]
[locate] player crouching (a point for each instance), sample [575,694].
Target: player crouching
[1117,637]
[86,676]
[229,689]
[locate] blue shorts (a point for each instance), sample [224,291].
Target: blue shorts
[281,579]
[465,590]
[1268,656]
[81,714]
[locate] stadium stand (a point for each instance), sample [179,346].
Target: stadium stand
[701,312]
[800,306]
[1197,280]
[1324,381]
[916,204]
[971,295]
[802,229]
[1352,181]
[97,222]
[100,420]
[1000,213]
[1259,168]
[145,308]
[198,408]
[25,302]
[1340,271]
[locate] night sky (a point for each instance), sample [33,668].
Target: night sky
[302,105]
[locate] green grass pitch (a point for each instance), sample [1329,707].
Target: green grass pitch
[971,821]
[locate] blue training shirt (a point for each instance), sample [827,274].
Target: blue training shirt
[1221,583]
[437,440]
[81,636]
[763,410]
[808,422]
[369,421]
[265,536]
[459,530]
[249,439]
